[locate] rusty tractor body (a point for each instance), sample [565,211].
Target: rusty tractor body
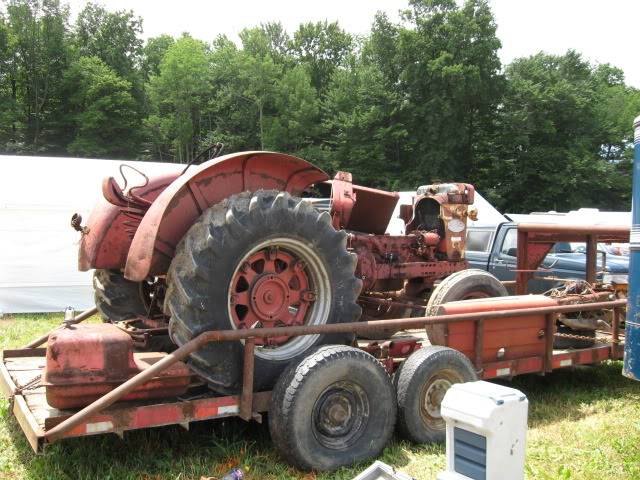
[239,239]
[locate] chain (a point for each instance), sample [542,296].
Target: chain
[30,385]
[581,337]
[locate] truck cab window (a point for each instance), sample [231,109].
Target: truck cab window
[510,243]
[478,240]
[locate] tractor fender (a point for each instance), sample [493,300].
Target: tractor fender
[113,221]
[201,187]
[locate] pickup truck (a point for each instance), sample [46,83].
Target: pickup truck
[493,248]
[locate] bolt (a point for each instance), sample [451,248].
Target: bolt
[308,296]
[245,267]
[232,299]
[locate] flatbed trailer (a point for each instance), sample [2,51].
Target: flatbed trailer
[21,369]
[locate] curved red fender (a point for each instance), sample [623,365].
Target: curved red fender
[178,207]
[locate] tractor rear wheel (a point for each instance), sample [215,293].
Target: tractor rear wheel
[463,285]
[118,298]
[263,259]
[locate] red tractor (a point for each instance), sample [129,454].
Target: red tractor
[248,240]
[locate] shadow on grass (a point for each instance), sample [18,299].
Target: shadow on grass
[573,393]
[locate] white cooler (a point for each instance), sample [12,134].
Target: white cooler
[486,432]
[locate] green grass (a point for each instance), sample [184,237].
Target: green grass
[584,424]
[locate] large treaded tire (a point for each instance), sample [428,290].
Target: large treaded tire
[463,285]
[428,372]
[116,297]
[200,275]
[301,404]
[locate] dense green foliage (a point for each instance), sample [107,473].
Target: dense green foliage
[422,99]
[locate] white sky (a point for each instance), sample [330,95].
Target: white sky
[603,31]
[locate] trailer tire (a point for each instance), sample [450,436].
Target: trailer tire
[563,343]
[116,297]
[336,407]
[463,285]
[215,283]
[421,383]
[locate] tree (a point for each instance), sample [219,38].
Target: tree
[177,95]
[361,123]
[450,84]
[114,37]
[9,107]
[153,52]
[294,123]
[269,39]
[38,29]
[244,87]
[559,146]
[321,47]
[103,111]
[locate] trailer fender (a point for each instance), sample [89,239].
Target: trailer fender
[178,207]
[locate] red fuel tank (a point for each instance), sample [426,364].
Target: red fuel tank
[84,362]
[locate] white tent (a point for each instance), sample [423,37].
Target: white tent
[38,247]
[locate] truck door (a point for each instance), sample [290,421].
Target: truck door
[503,261]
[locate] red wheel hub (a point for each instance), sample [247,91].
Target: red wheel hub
[270,289]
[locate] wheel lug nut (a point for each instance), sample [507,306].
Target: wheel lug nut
[308,296]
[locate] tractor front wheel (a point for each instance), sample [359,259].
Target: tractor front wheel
[263,259]
[463,285]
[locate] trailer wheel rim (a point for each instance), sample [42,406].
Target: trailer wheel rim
[340,415]
[431,396]
[280,282]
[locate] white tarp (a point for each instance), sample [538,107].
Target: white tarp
[38,247]
[582,216]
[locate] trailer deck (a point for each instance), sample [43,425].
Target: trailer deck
[21,370]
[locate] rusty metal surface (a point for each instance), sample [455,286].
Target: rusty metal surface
[354,327]
[492,339]
[400,257]
[182,202]
[84,362]
[342,200]
[535,241]
[372,210]
[114,221]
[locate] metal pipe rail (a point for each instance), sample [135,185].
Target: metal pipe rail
[248,334]
[81,317]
